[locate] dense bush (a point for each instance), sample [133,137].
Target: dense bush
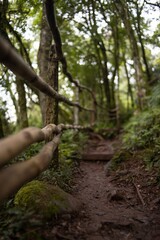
[143,130]
[143,133]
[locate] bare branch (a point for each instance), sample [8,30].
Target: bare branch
[152,4]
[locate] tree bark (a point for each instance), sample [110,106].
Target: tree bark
[76,110]
[130,92]
[43,58]
[3,20]
[1,126]
[52,109]
[52,80]
[22,104]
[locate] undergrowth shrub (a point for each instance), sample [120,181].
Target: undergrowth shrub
[29,152]
[119,158]
[15,223]
[70,149]
[143,133]
[106,129]
[143,130]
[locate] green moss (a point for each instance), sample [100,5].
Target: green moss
[43,198]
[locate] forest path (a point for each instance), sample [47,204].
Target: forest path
[113,207]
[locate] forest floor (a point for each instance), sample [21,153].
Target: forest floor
[118,205]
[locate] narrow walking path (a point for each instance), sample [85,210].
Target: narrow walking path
[113,207]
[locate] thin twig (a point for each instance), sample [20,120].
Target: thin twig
[139,194]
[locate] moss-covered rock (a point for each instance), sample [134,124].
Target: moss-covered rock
[45,199]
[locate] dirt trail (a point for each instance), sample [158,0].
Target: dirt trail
[114,208]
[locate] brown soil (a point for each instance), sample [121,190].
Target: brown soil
[122,205]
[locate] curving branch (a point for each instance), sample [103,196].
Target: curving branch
[152,4]
[50,13]
[16,34]
[12,60]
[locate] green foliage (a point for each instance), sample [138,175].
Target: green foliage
[7,126]
[28,153]
[142,133]
[154,99]
[120,157]
[34,116]
[15,223]
[143,130]
[71,144]
[107,130]
[70,148]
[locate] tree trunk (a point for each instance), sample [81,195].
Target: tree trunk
[101,52]
[52,104]
[52,80]
[43,58]
[3,10]
[122,9]
[139,34]
[115,73]
[76,110]
[22,115]
[1,126]
[130,93]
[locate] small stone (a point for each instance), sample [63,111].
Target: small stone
[115,195]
